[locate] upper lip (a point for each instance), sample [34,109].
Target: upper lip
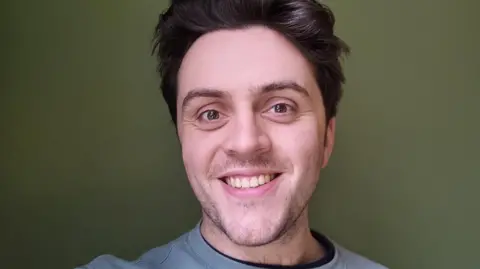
[247,173]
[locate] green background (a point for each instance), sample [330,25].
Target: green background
[90,163]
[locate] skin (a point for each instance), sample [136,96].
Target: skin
[248,100]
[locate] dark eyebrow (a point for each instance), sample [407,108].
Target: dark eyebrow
[202,92]
[266,88]
[283,85]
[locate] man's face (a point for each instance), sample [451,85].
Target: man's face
[252,127]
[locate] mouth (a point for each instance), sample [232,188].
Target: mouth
[249,182]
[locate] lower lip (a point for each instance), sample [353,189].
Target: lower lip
[251,192]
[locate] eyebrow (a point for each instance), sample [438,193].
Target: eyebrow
[265,88]
[202,92]
[283,85]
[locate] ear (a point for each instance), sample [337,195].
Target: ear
[329,141]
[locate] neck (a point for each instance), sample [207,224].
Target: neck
[296,246]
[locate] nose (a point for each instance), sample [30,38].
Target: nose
[246,138]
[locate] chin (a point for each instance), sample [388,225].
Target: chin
[251,237]
[255,233]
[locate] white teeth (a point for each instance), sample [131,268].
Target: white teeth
[248,182]
[245,182]
[254,182]
[261,180]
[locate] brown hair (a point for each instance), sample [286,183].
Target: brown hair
[309,25]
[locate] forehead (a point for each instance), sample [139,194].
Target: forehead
[235,60]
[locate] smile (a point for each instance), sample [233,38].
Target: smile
[247,182]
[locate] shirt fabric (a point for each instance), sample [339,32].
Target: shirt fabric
[192,251]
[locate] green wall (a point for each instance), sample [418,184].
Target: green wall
[90,163]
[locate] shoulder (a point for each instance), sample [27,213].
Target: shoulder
[109,262]
[354,260]
[153,258]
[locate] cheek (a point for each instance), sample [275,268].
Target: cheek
[198,150]
[309,151]
[302,144]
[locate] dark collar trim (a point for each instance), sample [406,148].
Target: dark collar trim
[322,240]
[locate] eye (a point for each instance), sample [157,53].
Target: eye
[281,112]
[210,115]
[281,108]
[211,119]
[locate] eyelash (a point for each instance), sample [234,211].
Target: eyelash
[290,108]
[205,113]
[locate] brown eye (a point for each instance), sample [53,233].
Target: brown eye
[281,112]
[280,108]
[210,115]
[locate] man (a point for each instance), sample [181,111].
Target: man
[252,87]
